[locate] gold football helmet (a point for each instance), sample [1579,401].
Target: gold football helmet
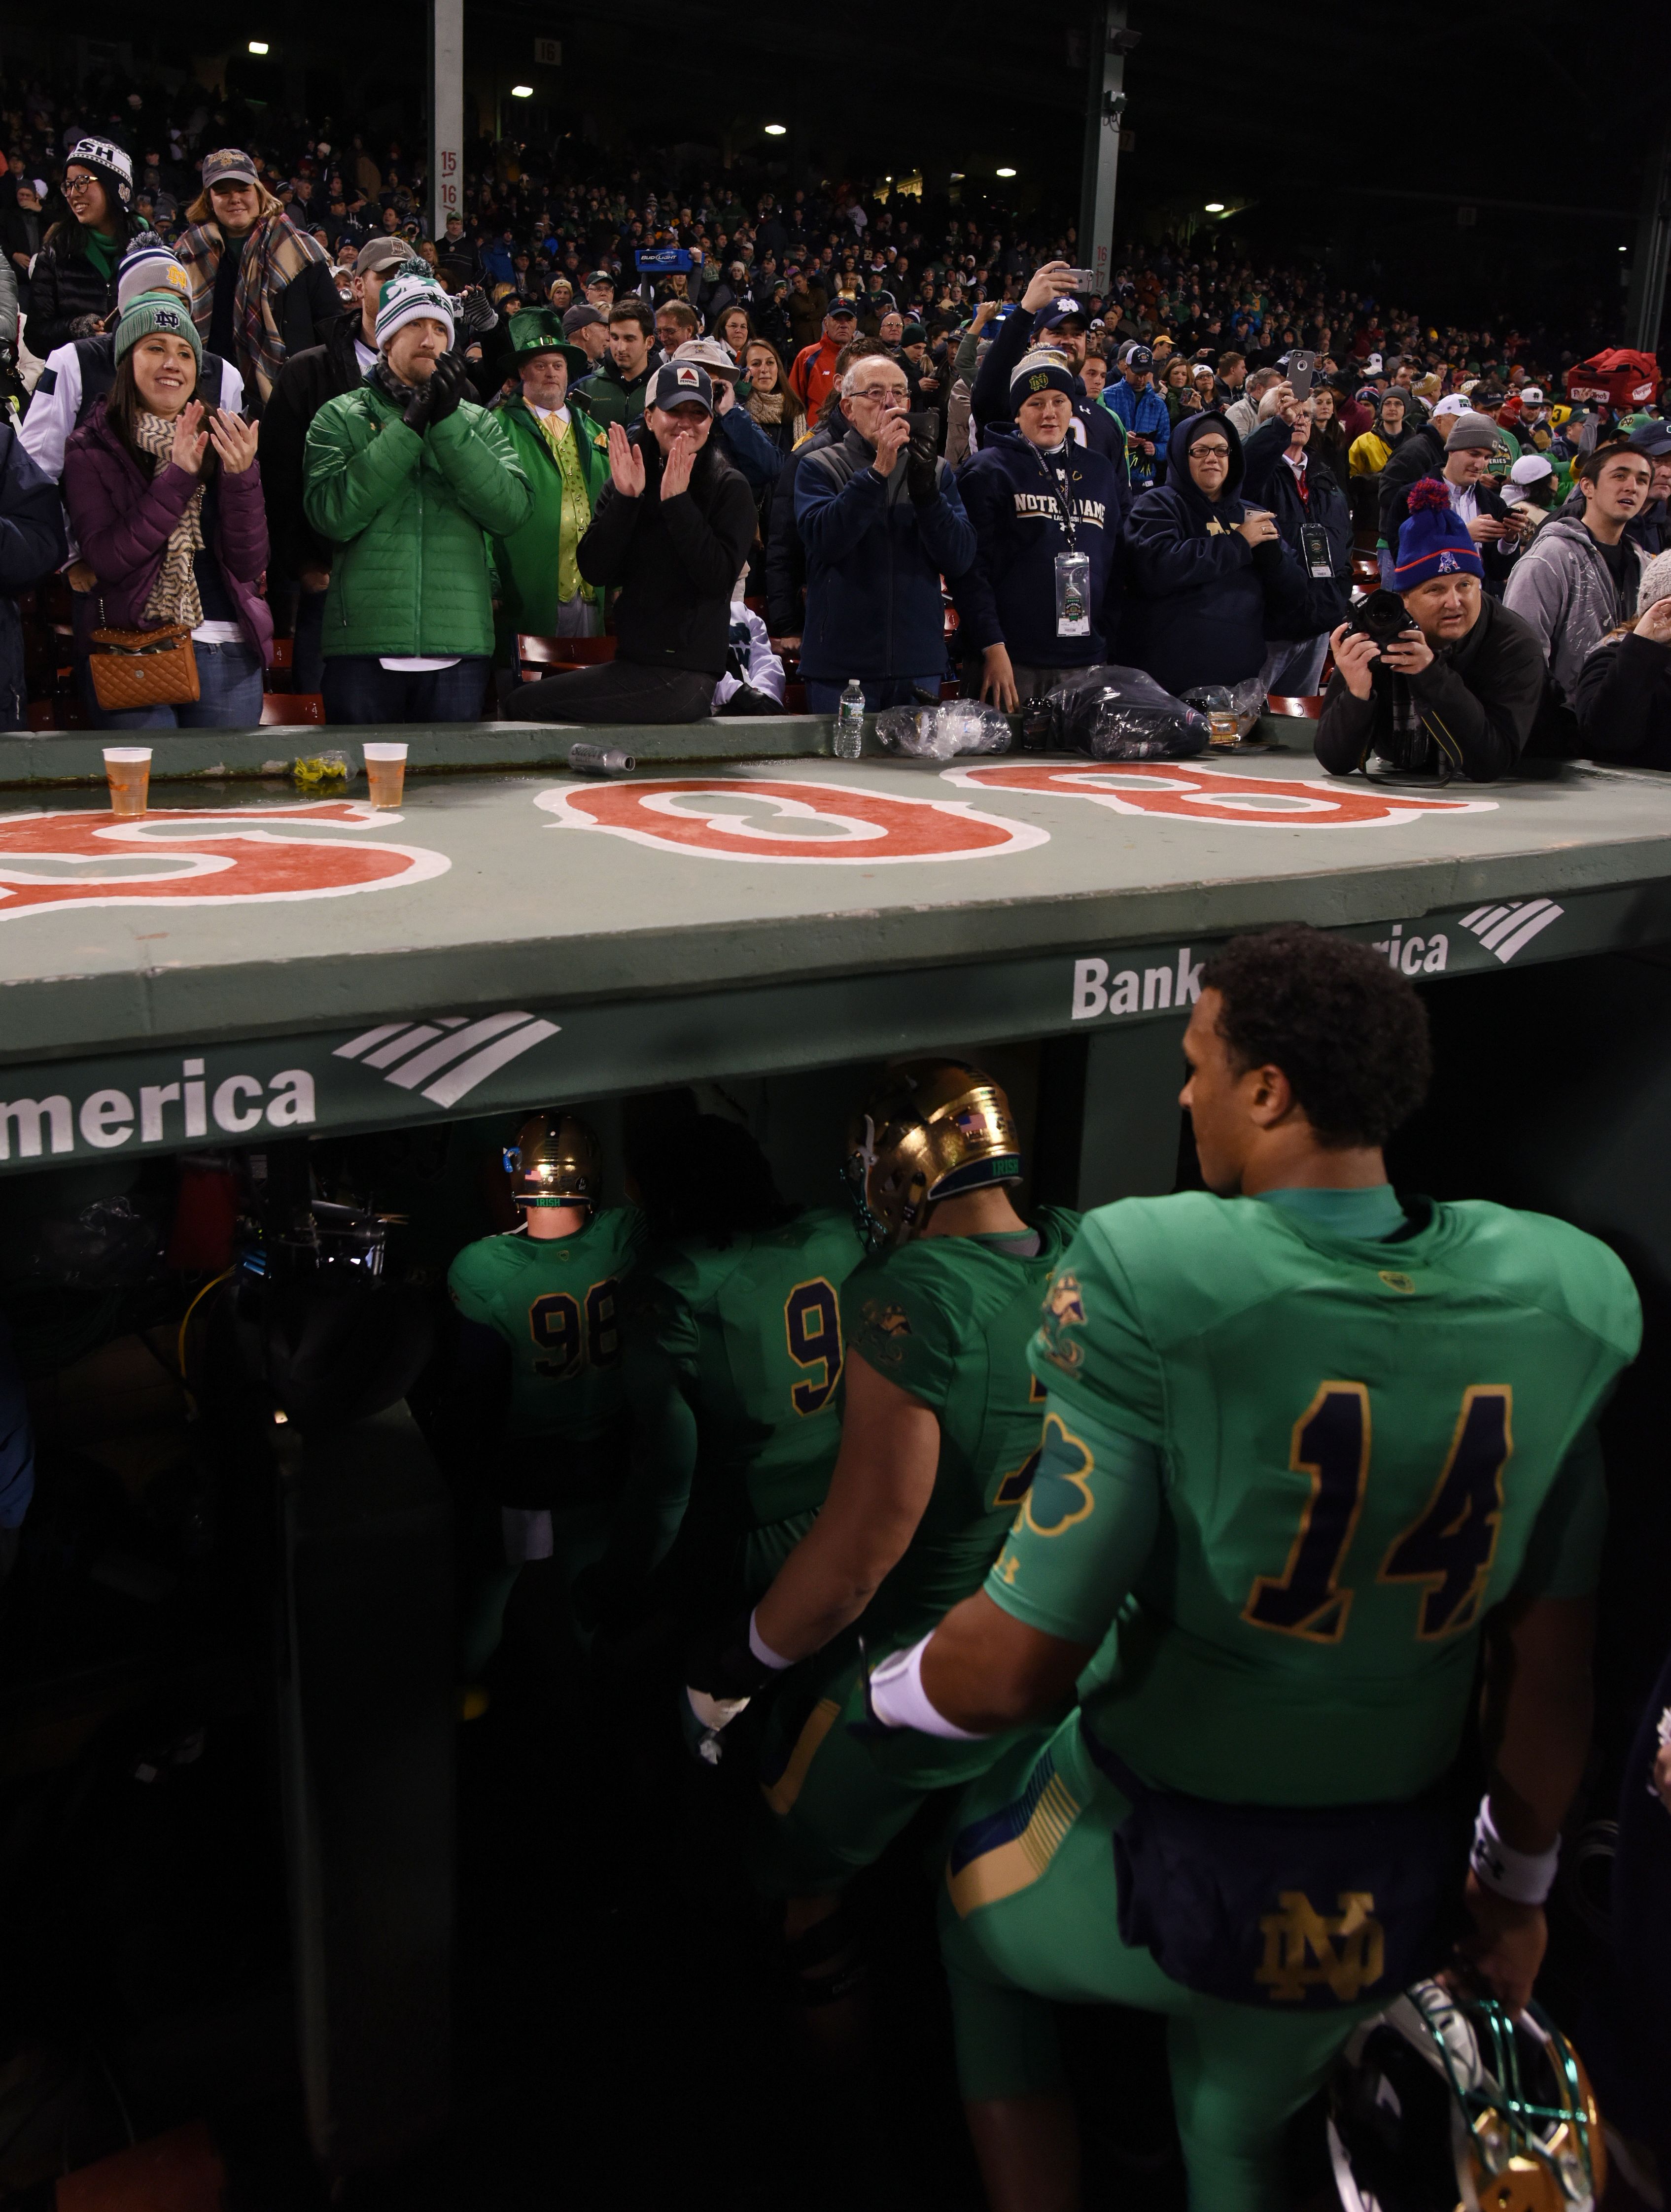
[931,1129]
[556,1161]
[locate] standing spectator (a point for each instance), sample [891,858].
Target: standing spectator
[585,327]
[1420,453]
[812,372]
[1371,450]
[773,406]
[881,526]
[1142,415]
[1623,694]
[301,557]
[1577,579]
[808,301]
[405,478]
[733,329]
[1206,582]
[261,288]
[1470,442]
[31,545]
[21,229]
[1330,443]
[1280,471]
[1034,494]
[670,534]
[541,589]
[75,272]
[675,320]
[1049,314]
[1178,390]
[174,531]
[614,392]
[747,446]
[1242,413]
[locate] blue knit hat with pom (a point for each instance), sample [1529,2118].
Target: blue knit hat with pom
[1435,541]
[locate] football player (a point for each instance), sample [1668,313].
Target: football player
[537,1377]
[734,1368]
[939,1436]
[1306,1441]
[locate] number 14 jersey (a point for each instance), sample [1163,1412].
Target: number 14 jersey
[1366,1444]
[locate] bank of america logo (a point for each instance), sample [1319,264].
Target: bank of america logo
[1506,930]
[445,1059]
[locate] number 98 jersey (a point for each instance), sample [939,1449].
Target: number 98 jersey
[1366,1445]
[560,1304]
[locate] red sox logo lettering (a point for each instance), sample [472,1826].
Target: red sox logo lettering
[1188,793]
[201,856]
[745,817]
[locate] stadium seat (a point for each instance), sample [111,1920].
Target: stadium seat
[279,709]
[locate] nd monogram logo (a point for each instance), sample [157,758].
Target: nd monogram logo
[1305,1949]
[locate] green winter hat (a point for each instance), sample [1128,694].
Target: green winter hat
[538,329]
[162,313]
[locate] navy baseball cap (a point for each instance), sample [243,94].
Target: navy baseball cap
[1651,438]
[1139,357]
[677,381]
[1067,309]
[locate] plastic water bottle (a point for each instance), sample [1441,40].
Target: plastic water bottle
[850,722]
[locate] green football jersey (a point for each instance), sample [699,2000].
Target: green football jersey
[949,1319]
[753,1334]
[1365,1444]
[560,1306]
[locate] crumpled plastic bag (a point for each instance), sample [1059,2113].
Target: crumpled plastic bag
[1245,700]
[1114,713]
[942,733]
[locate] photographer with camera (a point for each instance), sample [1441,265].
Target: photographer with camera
[405,477]
[880,518]
[1433,677]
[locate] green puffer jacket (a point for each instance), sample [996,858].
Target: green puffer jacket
[409,515]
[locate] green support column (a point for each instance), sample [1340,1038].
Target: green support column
[1129,1137]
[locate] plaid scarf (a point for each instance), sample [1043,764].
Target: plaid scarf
[173,596]
[275,254]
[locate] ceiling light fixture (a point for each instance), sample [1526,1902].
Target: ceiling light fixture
[522,91]
[776,130]
[1006,173]
[258,45]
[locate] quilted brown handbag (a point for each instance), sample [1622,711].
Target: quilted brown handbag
[138,668]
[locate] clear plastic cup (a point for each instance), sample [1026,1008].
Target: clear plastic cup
[128,769]
[385,772]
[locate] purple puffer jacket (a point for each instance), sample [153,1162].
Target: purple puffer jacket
[123,517]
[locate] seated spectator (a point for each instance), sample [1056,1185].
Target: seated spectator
[301,557]
[31,545]
[1460,694]
[261,288]
[1280,471]
[1623,694]
[541,589]
[881,526]
[406,478]
[812,372]
[754,682]
[1034,495]
[1470,447]
[614,392]
[669,533]
[74,274]
[168,513]
[1207,583]
[1577,579]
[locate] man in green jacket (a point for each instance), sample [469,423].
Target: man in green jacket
[614,392]
[541,589]
[407,479]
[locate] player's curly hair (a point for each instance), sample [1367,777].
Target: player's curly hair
[1348,1031]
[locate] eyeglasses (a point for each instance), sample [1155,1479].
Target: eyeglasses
[1205,452]
[879,394]
[79,184]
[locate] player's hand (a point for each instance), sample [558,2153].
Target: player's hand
[1258,529]
[720,1669]
[1047,284]
[626,463]
[891,435]
[676,472]
[1409,652]
[997,679]
[1354,652]
[1506,1947]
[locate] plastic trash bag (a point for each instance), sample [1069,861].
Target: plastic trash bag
[1244,701]
[1114,713]
[942,733]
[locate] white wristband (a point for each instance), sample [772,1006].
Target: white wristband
[899,1700]
[764,1651]
[1523,1877]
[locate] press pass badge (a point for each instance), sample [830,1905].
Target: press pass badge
[1072,595]
[1315,540]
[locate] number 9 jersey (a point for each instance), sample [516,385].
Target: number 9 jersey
[1364,1445]
[559,1304]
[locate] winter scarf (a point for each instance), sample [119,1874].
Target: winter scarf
[275,254]
[174,595]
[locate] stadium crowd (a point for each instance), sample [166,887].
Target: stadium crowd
[805,383]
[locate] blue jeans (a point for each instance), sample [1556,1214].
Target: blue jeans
[879,692]
[229,694]
[359,689]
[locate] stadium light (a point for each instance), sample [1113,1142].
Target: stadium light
[258,45]
[956,176]
[776,130]
[1215,206]
[522,91]
[1006,173]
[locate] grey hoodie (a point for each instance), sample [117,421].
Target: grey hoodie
[1563,587]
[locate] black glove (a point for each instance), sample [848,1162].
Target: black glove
[476,311]
[922,470]
[746,700]
[447,384]
[420,407]
[721,1662]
